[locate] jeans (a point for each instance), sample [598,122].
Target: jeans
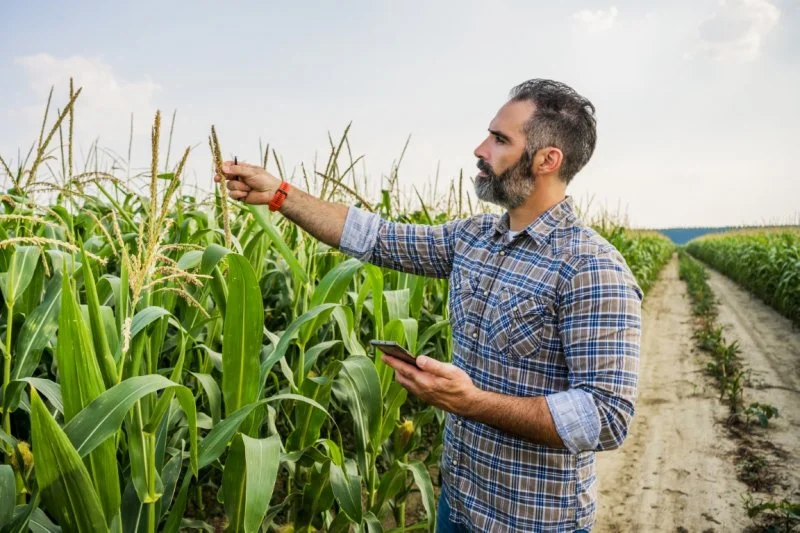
[444,525]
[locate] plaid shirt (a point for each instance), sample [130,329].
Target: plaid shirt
[555,312]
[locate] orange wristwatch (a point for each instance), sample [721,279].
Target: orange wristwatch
[279,196]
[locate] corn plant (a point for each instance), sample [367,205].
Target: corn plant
[172,361]
[766,262]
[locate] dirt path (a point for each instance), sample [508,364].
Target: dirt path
[675,469]
[770,348]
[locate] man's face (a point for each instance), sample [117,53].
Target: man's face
[505,175]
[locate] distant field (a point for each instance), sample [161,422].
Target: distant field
[684,235]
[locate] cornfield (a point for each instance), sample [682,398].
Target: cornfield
[646,252]
[173,362]
[766,262]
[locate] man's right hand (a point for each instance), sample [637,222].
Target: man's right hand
[248,183]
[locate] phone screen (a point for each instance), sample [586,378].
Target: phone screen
[395,350]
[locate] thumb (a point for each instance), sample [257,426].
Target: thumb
[437,368]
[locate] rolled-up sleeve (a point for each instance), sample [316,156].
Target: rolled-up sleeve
[600,326]
[413,248]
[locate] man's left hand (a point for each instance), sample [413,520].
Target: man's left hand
[440,384]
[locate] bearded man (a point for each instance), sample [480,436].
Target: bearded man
[545,314]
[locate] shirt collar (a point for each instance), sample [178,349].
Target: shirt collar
[541,228]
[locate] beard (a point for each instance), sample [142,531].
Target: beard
[510,188]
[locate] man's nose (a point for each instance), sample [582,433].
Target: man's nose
[481,152]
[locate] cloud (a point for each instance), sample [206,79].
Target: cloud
[104,107]
[736,30]
[596,21]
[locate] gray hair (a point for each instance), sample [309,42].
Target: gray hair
[562,119]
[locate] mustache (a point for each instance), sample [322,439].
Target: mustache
[483,166]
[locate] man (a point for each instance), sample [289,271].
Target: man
[546,319]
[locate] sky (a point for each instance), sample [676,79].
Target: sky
[697,101]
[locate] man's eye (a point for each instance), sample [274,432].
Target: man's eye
[499,140]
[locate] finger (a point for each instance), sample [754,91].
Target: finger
[411,374]
[241,164]
[235,185]
[398,364]
[241,170]
[437,368]
[238,195]
[407,384]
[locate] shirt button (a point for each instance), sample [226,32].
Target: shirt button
[502,252]
[486,293]
[458,422]
[514,308]
[474,334]
[454,462]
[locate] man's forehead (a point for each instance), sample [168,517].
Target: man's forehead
[511,118]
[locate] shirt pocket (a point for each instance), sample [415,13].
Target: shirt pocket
[519,324]
[462,287]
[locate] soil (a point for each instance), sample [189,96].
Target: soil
[684,467]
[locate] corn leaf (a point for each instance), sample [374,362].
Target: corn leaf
[213,394]
[308,419]
[134,512]
[373,525]
[20,272]
[395,398]
[359,387]
[392,482]
[37,331]
[315,351]
[263,218]
[67,490]
[214,443]
[50,389]
[249,479]
[23,514]
[31,297]
[398,303]
[169,475]
[99,338]
[423,481]
[291,333]
[317,493]
[8,493]
[330,290]
[8,439]
[40,523]
[81,382]
[344,319]
[347,491]
[103,417]
[242,333]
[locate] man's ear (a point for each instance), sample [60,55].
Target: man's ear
[547,161]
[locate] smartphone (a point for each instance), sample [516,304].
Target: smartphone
[395,350]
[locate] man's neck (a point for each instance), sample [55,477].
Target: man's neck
[537,203]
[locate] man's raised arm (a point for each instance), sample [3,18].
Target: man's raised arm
[413,248]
